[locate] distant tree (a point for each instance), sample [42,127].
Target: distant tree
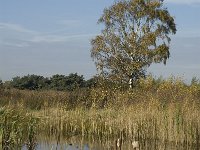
[57,82]
[92,82]
[16,83]
[70,82]
[195,81]
[75,81]
[1,83]
[136,34]
[31,82]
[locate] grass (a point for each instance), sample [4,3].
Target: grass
[17,128]
[164,111]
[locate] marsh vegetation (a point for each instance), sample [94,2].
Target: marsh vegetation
[156,111]
[105,111]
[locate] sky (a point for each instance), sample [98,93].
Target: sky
[47,37]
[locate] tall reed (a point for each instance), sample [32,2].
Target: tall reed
[17,128]
[164,111]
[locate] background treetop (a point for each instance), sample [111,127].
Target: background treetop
[135,35]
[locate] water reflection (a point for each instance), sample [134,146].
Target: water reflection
[78,144]
[59,146]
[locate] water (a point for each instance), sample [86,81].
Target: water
[55,146]
[77,144]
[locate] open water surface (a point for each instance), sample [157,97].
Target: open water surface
[109,145]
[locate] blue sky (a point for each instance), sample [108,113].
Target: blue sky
[47,37]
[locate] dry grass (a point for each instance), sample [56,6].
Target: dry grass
[167,111]
[141,122]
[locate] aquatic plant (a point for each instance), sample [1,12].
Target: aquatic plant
[164,111]
[17,128]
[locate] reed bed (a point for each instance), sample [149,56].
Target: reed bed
[18,128]
[166,111]
[140,122]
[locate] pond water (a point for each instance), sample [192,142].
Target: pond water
[109,145]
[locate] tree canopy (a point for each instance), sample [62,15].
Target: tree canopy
[55,82]
[135,35]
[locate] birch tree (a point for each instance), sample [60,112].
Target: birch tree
[136,34]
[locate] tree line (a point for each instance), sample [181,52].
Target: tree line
[55,82]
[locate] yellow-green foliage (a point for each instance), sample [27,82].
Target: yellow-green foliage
[17,127]
[165,110]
